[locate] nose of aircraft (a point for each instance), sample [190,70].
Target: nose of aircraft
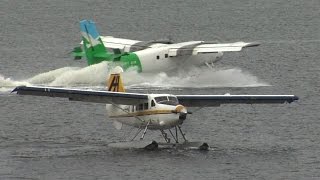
[182,112]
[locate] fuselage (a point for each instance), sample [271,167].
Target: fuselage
[158,57]
[159,112]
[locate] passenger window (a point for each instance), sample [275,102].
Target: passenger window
[140,107]
[145,106]
[166,55]
[158,57]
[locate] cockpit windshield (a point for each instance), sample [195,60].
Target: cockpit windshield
[169,100]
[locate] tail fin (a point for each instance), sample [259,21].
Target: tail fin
[115,83]
[94,49]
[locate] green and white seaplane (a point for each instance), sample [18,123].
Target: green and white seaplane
[150,56]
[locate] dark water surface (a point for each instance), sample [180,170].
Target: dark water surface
[46,138]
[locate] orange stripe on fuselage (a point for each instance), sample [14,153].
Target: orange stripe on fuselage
[144,113]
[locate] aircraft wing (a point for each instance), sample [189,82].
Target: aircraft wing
[217,100]
[106,97]
[129,45]
[202,47]
[117,43]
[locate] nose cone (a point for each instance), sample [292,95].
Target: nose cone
[180,109]
[182,112]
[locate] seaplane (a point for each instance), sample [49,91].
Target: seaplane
[150,56]
[165,113]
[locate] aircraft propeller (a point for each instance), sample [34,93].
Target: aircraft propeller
[182,112]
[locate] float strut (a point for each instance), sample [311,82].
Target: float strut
[145,130]
[182,134]
[139,130]
[175,138]
[165,136]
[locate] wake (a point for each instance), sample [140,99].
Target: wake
[95,77]
[193,78]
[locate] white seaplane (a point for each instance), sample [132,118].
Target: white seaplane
[150,56]
[162,112]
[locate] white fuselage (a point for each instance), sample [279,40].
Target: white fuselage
[159,58]
[155,113]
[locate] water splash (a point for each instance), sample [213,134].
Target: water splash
[51,76]
[6,84]
[95,77]
[194,78]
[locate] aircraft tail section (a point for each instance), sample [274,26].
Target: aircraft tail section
[115,83]
[94,49]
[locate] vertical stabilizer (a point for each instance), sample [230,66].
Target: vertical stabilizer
[115,83]
[94,49]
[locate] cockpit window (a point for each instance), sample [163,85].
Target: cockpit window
[170,100]
[152,103]
[161,99]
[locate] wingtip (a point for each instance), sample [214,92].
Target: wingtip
[293,99]
[253,44]
[17,88]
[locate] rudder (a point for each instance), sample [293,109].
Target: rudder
[115,83]
[94,48]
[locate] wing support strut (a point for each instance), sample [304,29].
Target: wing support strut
[117,106]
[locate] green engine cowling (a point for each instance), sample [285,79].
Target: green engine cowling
[130,60]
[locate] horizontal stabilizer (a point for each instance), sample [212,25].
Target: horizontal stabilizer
[101,55]
[77,53]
